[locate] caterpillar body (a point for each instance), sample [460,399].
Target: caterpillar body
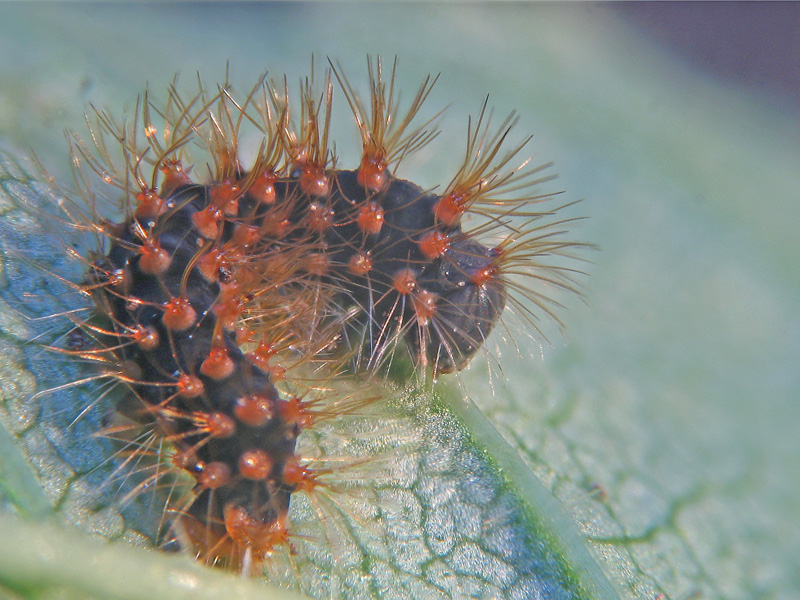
[231,301]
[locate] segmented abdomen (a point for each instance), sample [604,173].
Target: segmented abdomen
[347,273]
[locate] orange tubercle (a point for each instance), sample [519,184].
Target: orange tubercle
[186,459]
[314,181]
[253,410]
[174,176]
[154,260]
[485,275]
[190,386]
[225,197]
[255,464]
[320,217]
[219,425]
[244,335]
[241,539]
[228,310]
[404,281]
[261,356]
[245,236]
[210,263]
[179,314]
[147,338]
[207,221]
[218,365]
[372,174]
[263,187]
[424,303]
[295,411]
[120,279]
[434,244]
[298,476]
[151,205]
[370,218]
[214,475]
[360,264]
[449,208]
[257,535]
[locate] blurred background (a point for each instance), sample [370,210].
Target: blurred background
[751,44]
[667,417]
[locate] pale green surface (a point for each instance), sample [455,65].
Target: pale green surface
[677,389]
[39,560]
[412,505]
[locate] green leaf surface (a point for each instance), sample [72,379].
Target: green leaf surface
[666,424]
[432,517]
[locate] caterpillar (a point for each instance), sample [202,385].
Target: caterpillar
[239,304]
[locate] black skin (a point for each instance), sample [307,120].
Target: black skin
[465,313]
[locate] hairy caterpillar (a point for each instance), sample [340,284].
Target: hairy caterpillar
[243,304]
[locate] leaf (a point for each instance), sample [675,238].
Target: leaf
[443,510]
[667,425]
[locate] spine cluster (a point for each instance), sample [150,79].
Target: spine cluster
[223,281]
